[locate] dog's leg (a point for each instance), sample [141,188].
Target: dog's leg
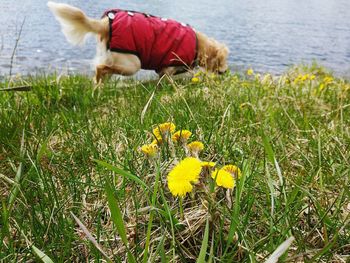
[101,72]
[116,63]
[170,71]
[104,70]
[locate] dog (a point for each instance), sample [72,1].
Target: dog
[128,41]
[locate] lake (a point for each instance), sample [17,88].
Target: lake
[267,35]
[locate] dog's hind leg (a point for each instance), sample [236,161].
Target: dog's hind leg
[104,70]
[116,63]
[101,72]
[170,71]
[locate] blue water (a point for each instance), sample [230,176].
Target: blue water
[267,35]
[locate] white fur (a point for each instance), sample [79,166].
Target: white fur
[75,31]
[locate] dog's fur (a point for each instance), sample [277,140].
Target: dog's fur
[211,54]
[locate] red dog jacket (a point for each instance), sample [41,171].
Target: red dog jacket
[158,42]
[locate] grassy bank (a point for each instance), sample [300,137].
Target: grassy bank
[70,149]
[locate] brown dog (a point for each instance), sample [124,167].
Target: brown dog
[168,47]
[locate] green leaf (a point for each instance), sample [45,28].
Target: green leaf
[117,218]
[203,251]
[5,222]
[121,172]
[15,188]
[44,258]
[268,148]
[116,214]
[90,237]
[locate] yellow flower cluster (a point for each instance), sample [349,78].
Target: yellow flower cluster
[303,77]
[183,175]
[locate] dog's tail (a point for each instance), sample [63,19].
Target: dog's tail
[75,24]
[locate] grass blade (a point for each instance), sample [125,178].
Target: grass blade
[280,250]
[150,221]
[203,251]
[121,172]
[117,218]
[41,255]
[90,237]
[116,214]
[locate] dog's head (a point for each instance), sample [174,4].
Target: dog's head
[212,55]
[220,65]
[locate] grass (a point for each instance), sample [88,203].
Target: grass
[70,151]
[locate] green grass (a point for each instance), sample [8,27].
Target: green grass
[289,136]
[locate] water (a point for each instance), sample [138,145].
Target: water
[267,35]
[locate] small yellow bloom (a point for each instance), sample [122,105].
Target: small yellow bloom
[233,169]
[195,80]
[322,86]
[208,164]
[305,77]
[181,136]
[195,147]
[223,178]
[150,149]
[163,129]
[312,77]
[182,175]
[250,72]
[328,80]
[157,141]
[197,74]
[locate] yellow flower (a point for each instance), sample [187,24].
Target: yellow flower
[208,164]
[197,74]
[150,149]
[223,178]
[179,188]
[182,175]
[322,86]
[181,136]
[233,169]
[157,141]
[163,129]
[328,80]
[312,77]
[250,72]
[195,80]
[195,147]
[305,77]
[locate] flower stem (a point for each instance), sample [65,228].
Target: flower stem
[181,208]
[149,226]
